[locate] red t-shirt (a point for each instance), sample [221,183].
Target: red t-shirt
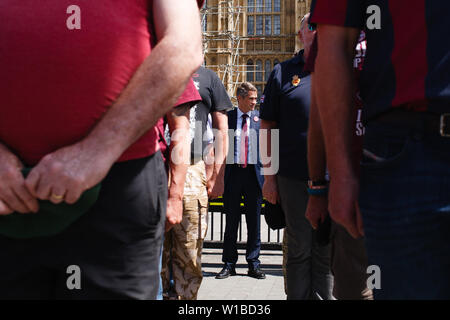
[190,94]
[56,82]
[408,63]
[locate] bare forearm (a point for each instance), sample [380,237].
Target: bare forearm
[316,145]
[220,123]
[150,94]
[209,166]
[178,121]
[334,79]
[177,180]
[157,83]
[219,165]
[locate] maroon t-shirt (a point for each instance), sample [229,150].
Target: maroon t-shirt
[191,95]
[57,82]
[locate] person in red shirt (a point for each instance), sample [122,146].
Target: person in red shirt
[348,255]
[399,199]
[178,123]
[79,106]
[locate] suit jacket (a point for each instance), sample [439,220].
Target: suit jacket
[254,137]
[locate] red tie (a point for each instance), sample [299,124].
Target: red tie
[244,141]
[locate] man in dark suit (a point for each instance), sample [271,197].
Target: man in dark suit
[243,178]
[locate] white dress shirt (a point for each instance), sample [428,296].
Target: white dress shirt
[238,138]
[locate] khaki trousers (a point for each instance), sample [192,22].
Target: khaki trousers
[183,244]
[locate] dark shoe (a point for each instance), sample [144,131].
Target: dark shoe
[226,272]
[256,273]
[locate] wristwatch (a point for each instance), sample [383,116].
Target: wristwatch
[317,187]
[317,184]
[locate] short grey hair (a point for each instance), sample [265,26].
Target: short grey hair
[244,88]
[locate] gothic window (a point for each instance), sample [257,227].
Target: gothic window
[259,5]
[263,17]
[267,70]
[276,25]
[259,25]
[276,6]
[250,5]
[259,71]
[250,74]
[268,25]
[268,6]
[251,25]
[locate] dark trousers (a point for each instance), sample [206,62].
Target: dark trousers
[307,263]
[115,245]
[242,182]
[349,266]
[405,204]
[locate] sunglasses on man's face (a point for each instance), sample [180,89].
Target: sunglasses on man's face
[312,26]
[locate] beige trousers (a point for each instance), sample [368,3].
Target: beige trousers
[184,242]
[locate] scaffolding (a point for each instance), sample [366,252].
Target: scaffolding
[229,16]
[224,24]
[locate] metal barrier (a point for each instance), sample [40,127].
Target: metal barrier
[270,239]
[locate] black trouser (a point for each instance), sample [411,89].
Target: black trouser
[242,182]
[116,245]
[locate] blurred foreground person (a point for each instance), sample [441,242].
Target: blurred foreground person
[402,192]
[286,105]
[82,89]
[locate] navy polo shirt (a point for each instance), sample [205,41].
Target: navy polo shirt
[286,100]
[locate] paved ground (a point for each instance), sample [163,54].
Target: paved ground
[242,287]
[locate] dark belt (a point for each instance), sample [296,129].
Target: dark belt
[433,123]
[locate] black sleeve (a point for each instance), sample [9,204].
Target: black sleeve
[270,106]
[220,101]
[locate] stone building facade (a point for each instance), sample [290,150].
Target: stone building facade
[244,39]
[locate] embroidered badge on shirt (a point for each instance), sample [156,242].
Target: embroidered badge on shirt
[295,80]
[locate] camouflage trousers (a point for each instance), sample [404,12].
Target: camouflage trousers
[183,244]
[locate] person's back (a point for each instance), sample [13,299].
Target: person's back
[286,107]
[184,242]
[405,89]
[80,102]
[57,82]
